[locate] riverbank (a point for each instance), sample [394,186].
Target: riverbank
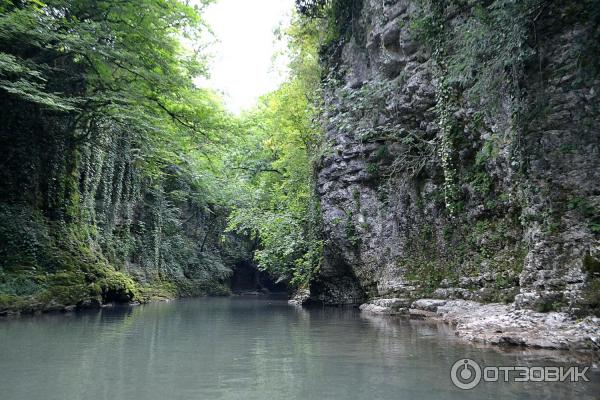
[81,300]
[499,324]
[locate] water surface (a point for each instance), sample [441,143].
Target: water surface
[247,348]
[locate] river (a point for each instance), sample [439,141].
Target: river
[249,348]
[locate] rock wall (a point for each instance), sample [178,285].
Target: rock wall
[428,191]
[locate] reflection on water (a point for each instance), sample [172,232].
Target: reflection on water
[246,348]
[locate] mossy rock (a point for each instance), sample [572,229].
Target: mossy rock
[591,297]
[551,303]
[591,264]
[117,287]
[157,291]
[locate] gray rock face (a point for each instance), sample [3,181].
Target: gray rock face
[525,227]
[386,306]
[428,304]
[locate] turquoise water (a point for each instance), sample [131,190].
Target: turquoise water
[247,348]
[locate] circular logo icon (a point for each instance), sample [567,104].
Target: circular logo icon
[465,374]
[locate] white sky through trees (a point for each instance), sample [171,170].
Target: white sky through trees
[242,66]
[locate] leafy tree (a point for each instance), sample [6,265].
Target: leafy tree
[108,143]
[273,162]
[115,158]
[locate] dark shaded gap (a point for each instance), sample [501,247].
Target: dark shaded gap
[247,279]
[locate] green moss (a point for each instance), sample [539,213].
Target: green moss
[591,264]
[382,153]
[481,182]
[12,303]
[551,304]
[157,291]
[425,273]
[350,229]
[52,265]
[166,290]
[591,297]
[191,288]
[114,283]
[365,226]
[466,249]
[356,197]
[373,170]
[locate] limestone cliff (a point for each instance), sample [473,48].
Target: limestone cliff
[461,164]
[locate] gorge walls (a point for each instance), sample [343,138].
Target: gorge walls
[81,222]
[462,155]
[108,192]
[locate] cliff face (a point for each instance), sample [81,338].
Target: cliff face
[432,188]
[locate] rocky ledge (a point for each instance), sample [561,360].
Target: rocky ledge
[499,324]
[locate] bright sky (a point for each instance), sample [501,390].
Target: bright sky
[242,66]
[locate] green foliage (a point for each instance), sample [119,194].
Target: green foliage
[117,153]
[49,266]
[28,84]
[481,182]
[445,107]
[482,47]
[24,237]
[588,211]
[271,168]
[366,112]
[340,15]
[463,250]
[130,171]
[480,52]
[591,296]
[351,232]
[591,264]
